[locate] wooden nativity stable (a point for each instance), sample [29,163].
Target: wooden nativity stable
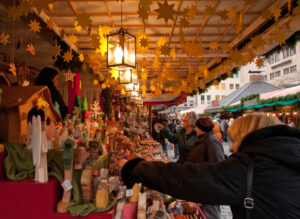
[16,104]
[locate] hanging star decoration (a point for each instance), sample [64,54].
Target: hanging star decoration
[40,4]
[144,42]
[103,31]
[165,11]
[114,73]
[209,10]
[213,45]
[235,55]
[25,7]
[161,41]
[277,13]
[231,13]
[173,53]
[280,37]
[73,39]
[42,104]
[30,48]
[184,22]
[95,41]
[50,24]
[81,57]
[13,69]
[14,12]
[226,47]
[257,41]
[156,64]
[193,49]
[103,46]
[77,27]
[84,21]
[259,62]
[69,76]
[34,26]
[4,38]
[192,12]
[55,50]
[144,9]
[68,56]
[84,66]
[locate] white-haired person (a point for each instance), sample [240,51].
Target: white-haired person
[186,137]
[259,180]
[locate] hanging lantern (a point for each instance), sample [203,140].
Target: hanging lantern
[137,87]
[129,87]
[134,93]
[125,76]
[134,75]
[121,50]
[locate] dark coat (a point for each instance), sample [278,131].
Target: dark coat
[207,149]
[185,142]
[276,181]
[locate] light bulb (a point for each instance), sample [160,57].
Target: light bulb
[118,53]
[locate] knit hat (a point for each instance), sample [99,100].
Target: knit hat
[205,123]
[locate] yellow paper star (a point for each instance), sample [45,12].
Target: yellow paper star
[103,46]
[69,76]
[95,41]
[213,45]
[73,39]
[173,53]
[50,24]
[50,7]
[25,7]
[77,27]
[231,13]
[235,55]
[68,56]
[165,50]
[192,12]
[209,10]
[257,41]
[41,103]
[84,21]
[4,38]
[223,14]
[280,37]
[13,69]
[184,22]
[143,13]
[165,11]
[34,26]
[81,57]
[259,62]
[40,4]
[161,41]
[55,50]
[114,73]
[14,12]
[156,64]
[277,13]
[30,48]
[84,66]
[143,42]
[103,30]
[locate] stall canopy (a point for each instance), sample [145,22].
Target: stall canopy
[197,110]
[254,87]
[181,45]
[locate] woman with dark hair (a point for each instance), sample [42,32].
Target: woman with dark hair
[49,77]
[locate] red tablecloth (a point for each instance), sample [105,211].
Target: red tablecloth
[26,199]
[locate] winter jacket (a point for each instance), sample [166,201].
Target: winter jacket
[207,149]
[276,180]
[185,142]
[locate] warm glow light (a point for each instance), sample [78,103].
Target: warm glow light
[118,53]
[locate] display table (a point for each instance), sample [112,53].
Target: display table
[26,199]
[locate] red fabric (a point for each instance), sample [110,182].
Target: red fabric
[178,100]
[2,170]
[26,199]
[74,89]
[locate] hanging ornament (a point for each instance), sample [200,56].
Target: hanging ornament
[14,12]
[213,45]
[69,76]
[259,62]
[144,42]
[77,27]
[81,57]
[13,69]
[40,4]
[25,7]
[161,41]
[50,24]
[30,48]
[232,12]
[280,37]
[34,26]
[165,11]
[184,22]
[68,56]
[173,53]
[192,12]
[277,13]
[4,38]
[41,104]
[223,15]
[73,39]
[103,31]
[257,41]
[55,50]
[226,47]
[84,21]
[209,10]
[165,50]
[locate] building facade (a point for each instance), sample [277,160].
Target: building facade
[217,92]
[281,69]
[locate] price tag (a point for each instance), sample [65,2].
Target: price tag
[129,192]
[120,195]
[66,185]
[149,210]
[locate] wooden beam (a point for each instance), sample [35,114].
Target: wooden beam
[159,35]
[72,7]
[109,15]
[150,26]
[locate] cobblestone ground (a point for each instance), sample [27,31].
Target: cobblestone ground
[225,210]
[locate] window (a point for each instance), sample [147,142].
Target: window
[217,87]
[208,99]
[223,96]
[223,86]
[277,74]
[272,76]
[237,75]
[289,52]
[237,86]
[265,77]
[286,71]
[265,62]
[202,99]
[277,56]
[272,59]
[217,97]
[191,102]
[185,104]
[293,68]
[231,86]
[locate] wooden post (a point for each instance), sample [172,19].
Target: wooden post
[150,120]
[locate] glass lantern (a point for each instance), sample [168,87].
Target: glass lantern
[125,76]
[121,50]
[134,75]
[129,87]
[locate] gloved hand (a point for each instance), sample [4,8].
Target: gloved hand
[127,169]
